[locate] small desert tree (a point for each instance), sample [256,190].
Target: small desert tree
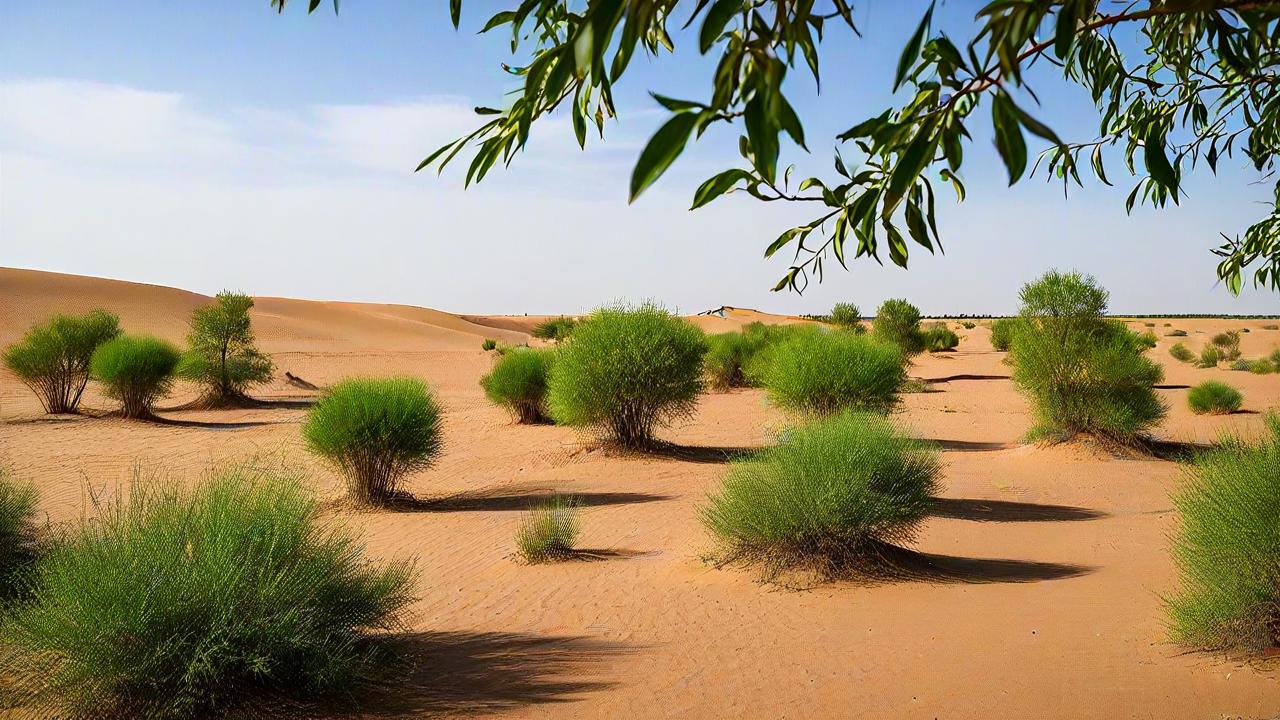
[518,382]
[53,358]
[626,371]
[898,321]
[1081,372]
[222,356]
[847,316]
[375,432]
[137,370]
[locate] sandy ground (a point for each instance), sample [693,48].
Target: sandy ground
[1060,553]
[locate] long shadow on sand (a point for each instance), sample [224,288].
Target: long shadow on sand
[969,445]
[505,499]
[981,510]
[964,376]
[206,425]
[475,673]
[909,565]
[700,453]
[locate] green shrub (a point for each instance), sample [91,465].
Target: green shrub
[727,357]
[1176,333]
[847,316]
[824,373]
[549,531]
[937,337]
[1214,398]
[221,355]
[137,370]
[1271,327]
[1002,333]
[53,358]
[1180,352]
[489,344]
[1209,356]
[555,329]
[17,531]
[375,431]
[1227,548]
[1262,367]
[829,497]
[1274,357]
[898,321]
[188,604]
[1241,365]
[1228,344]
[627,371]
[1148,324]
[1146,340]
[967,325]
[518,382]
[1081,372]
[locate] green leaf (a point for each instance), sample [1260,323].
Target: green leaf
[1158,163]
[911,52]
[663,148]
[455,12]
[717,186]
[716,20]
[762,132]
[914,160]
[1009,140]
[1065,32]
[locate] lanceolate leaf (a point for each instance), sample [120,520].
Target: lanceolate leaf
[911,52]
[717,186]
[1009,140]
[663,148]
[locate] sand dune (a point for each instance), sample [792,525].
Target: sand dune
[1057,557]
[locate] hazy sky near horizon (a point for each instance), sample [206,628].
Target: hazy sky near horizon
[212,145]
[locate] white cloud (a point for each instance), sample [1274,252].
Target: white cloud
[322,202]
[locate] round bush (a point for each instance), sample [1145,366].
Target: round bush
[549,531]
[898,322]
[1082,373]
[1214,398]
[375,431]
[555,329]
[1261,367]
[1146,340]
[627,371]
[730,356]
[824,373]
[53,358]
[939,338]
[518,382]
[829,497]
[188,604]
[846,315]
[1002,333]
[137,370]
[1227,548]
[1210,356]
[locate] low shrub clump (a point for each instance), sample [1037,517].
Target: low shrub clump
[824,373]
[549,531]
[727,357]
[518,382]
[1082,373]
[1227,548]
[556,329]
[222,356]
[1182,353]
[1002,333]
[1176,333]
[1214,398]
[1146,340]
[1210,355]
[489,344]
[1271,327]
[375,432]
[17,531]
[1241,365]
[968,325]
[627,371]
[1228,344]
[898,321]
[831,497]
[137,370]
[1262,367]
[53,358]
[189,604]
[847,316]
[937,337]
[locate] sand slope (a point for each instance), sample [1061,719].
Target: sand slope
[1058,554]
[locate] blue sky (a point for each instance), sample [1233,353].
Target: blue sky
[210,145]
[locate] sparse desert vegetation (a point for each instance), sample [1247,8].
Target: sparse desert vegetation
[555,329]
[898,322]
[137,370]
[221,354]
[53,357]
[1214,398]
[1002,333]
[798,478]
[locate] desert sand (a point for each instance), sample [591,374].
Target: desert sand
[1059,554]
